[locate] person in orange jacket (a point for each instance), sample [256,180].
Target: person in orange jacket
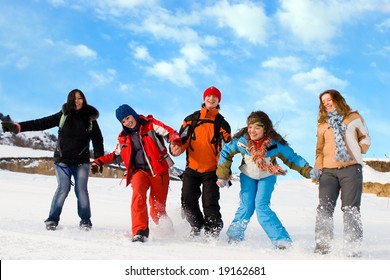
[141,146]
[203,133]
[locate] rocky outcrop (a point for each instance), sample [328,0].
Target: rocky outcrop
[379,189]
[45,166]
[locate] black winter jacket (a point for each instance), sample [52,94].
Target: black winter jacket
[74,137]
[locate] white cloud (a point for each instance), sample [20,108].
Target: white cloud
[247,20]
[193,53]
[314,22]
[82,51]
[101,79]
[124,87]
[210,41]
[289,63]
[176,72]
[317,80]
[142,53]
[277,101]
[162,29]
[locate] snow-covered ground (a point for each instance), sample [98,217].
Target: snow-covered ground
[25,201]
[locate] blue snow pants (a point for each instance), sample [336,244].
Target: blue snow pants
[256,195]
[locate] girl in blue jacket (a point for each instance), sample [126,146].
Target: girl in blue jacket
[259,145]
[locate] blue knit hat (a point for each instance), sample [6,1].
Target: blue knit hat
[125,110]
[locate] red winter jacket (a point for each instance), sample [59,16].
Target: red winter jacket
[152,132]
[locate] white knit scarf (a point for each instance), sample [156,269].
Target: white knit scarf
[335,121]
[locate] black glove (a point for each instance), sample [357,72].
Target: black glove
[9,126]
[95,168]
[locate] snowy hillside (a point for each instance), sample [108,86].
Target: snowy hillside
[41,140]
[25,201]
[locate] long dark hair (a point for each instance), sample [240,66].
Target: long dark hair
[263,118]
[339,102]
[70,103]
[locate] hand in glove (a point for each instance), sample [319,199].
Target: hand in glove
[95,168]
[9,126]
[315,173]
[222,183]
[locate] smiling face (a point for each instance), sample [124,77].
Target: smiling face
[78,101]
[255,131]
[129,122]
[327,102]
[211,102]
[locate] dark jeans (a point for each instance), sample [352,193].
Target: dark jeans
[191,192]
[64,175]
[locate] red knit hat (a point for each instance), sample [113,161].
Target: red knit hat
[212,91]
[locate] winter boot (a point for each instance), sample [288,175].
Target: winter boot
[51,225]
[353,232]
[322,248]
[141,236]
[85,225]
[194,233]
[283,244]
[233,241]
[138,238]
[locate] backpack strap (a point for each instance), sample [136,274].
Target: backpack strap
[62,121]
[217,122]
[194,123]
[217,128]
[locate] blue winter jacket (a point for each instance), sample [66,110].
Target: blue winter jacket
[249,167]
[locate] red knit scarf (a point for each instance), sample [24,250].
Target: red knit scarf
[258,151]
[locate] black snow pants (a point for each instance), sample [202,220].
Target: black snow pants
[211,221]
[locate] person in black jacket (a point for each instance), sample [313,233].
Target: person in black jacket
[77,127]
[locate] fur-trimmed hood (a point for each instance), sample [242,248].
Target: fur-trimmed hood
[88,111]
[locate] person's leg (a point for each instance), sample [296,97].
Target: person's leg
[266,217]
[213,223]
[139,210]
[190,194]
[63,175]
[158,196]
[159,186]
[80,174]
[328,193]
[351,181]
[236,230]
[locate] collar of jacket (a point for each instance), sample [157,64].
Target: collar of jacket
[208,114]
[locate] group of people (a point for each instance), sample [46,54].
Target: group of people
[206,138]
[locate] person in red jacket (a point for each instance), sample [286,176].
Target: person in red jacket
[141,146]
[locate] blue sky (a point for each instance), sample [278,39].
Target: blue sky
[159,56]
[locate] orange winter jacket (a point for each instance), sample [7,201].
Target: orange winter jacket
[202,154]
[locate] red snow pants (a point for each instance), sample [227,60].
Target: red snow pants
[141,181]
